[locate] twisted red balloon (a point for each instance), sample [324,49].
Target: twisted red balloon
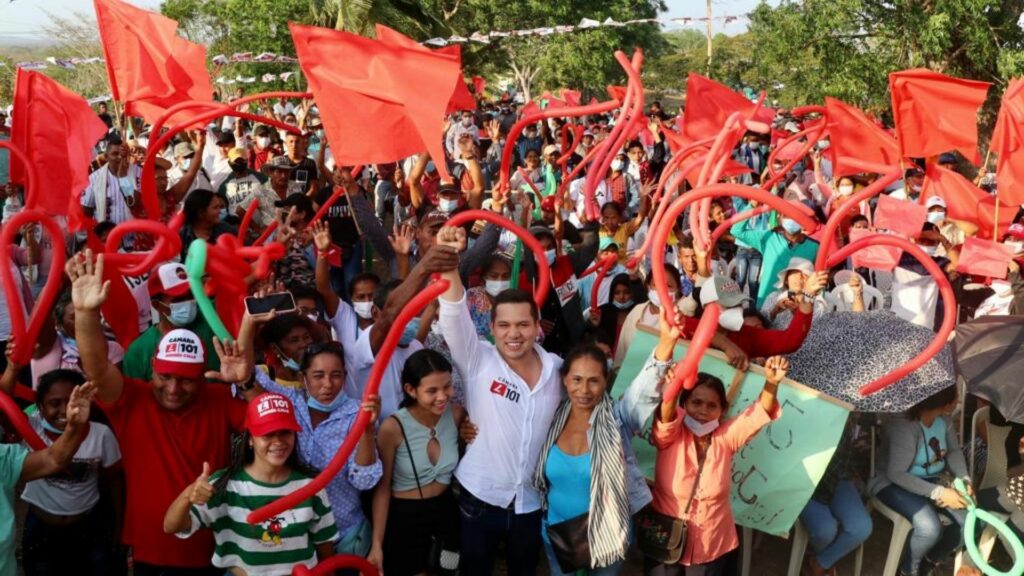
[685,372]
[601,267]
[40,313]
[337,562]
[412,309]
[168,246]
[540,293]
[20,422]
[948,303]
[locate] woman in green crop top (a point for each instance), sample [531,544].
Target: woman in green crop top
[419,449]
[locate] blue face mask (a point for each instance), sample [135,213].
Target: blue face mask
[550,254]
[319,407]
[791,226]
[51,428]
[222,214]
[286,361]
[410,332]
[623,305]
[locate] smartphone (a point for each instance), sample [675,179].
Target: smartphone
[280,302]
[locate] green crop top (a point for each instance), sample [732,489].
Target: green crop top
[418,435]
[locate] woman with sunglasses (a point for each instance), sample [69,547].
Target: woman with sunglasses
[919,459]
[325,423]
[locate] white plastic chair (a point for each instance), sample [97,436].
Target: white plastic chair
[901,527]
[841,298]
[801,539]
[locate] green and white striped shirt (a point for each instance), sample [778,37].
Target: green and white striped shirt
[272,547]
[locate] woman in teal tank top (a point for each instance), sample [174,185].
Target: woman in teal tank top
[419,448]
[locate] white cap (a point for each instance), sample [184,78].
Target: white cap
[934,201]
[181,353]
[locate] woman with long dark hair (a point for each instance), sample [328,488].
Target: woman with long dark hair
[413,506]
[205,212]
[266,468]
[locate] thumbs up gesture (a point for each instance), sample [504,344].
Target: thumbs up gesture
[202,490]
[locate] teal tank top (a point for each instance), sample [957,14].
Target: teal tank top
[418,436]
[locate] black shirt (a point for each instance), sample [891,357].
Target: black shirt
[305,173]
[340,219]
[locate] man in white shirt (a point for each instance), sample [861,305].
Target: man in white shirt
[111,190]
[512,391]
[464,125]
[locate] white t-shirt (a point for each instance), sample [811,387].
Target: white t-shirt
[74,490]
[139,285]
[580,200]
[282,110]
[390,390]
[346,328]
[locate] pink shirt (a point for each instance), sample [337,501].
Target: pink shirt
[711,531]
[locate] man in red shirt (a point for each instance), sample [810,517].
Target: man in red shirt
[168,428]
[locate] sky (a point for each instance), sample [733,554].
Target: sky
[22,19]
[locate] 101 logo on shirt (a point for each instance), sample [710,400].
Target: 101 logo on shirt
[502,389]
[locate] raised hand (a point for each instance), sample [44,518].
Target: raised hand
[402,239]
[88,290]
[775,369]
[202,490]
[453,236]
[816,282]
[234,366]
[321,236]
[79,405]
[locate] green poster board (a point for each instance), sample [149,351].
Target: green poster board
[775,474]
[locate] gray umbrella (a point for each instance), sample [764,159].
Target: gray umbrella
[990,355]
[846,350]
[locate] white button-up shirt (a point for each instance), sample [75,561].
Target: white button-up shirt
[512,419]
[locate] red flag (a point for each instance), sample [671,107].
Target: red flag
[854,135]
[379,102]
[57,130]
[150,67]
[571,97]
[479,85]
[984,258]
[461,98]
[936,113]
[1008,144]
[900,216]
[875,257]
[709,104]
[965,201]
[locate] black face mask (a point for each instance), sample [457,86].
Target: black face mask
[239,168]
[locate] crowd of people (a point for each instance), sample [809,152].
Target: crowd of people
[493,431]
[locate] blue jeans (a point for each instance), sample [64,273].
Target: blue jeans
[612,570]
[837,527]
[930,536]
[484,526]
[748,268]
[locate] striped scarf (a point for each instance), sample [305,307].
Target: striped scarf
[608,529]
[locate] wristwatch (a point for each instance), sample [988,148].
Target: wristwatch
[248,384]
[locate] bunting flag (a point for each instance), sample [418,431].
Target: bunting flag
[965,201]
[1008,144]
[461,98]
[854,135]
[150,67]
[935,113]
[709,104]
[57,130]
[380,102]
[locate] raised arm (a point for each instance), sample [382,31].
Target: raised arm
[88,293]
[322,241]
[54,458]
[415,177]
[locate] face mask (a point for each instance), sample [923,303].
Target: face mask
[824,144]
[410,332]
[915,187]
[316,405]
[652,296]
[127,184]
[623,305]
[320,134]
[698,428]
[495,287]
[281,134]
[182,313]
[290,363]
[551,257]
[616,165]
[447,206]
[467,122]
[845,190]
[222,214]
[186,163]
[791,226]
[313,317]
[731,319]
[930,250]
[51,428]
[262,141]
[431,167]
[764,148]
[144,142]
[363,309]
[937,216]
[69,342]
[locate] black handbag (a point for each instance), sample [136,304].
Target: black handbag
[662,537]
[441,558]
[570,543]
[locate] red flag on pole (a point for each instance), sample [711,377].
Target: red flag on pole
[150,67]
[854,135]
[936,113]
[461,98]
[709,104]
[479,85]
[984,258]
[965,201]
[57,130]
[380,102]
[1008,144]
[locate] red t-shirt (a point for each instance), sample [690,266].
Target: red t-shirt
[163,452]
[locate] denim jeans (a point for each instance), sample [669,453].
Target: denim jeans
[748,268]
[612,570]
[836,527]
[84,547]
[931,536]
[484,526]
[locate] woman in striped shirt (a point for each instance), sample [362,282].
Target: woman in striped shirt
[266,469]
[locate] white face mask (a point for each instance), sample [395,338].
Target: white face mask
[930,250]
[617,165]
[845,190]
[653,298]
[363,309]
[262,141]
[731,319]
[185,164]
[467,122]
[144,142]
[937,216]
[495,287]
[700,429]
[447,206]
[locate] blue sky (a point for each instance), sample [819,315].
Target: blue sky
[23,18]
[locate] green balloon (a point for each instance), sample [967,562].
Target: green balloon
[973,515]
[195,265]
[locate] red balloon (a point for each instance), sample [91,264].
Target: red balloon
[337,562]
[685,373]
[168,245]
[20,421]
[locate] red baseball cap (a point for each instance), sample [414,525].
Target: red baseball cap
[270,413]
[170,278]
[180,353]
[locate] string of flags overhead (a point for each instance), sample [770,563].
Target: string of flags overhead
[477,37]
